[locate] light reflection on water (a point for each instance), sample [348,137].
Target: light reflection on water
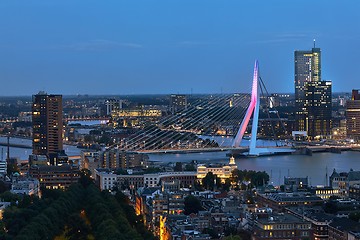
[23,153]
[277,166]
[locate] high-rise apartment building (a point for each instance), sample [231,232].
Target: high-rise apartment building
[113,105]
[47,114]
[353,116]
[318,108]
[307,69]
[312,95]
[178,102]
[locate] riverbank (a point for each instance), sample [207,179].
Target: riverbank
[316,167]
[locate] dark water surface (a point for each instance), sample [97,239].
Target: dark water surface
[278,166]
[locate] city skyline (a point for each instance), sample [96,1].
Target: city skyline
[149,119]
[182,47]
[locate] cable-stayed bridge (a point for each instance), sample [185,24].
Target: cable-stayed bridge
[211,123]
[194,127]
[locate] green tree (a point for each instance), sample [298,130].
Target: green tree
[355,216]
[255,178]
[236,237]
[208,181]
[12,168]
[192,205]
[237,176]
[212,232]
[103,216]
[88,138]
[51,193]
[178,167]
[190,167]
[331,207]
[105,138]
[125,185]
[85,177]
[226,186]
[77,228]
[259,178]
[3,187]
[10,197]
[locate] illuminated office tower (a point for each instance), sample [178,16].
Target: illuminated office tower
[307,69]
[318,102]
[353,116]
[47,114]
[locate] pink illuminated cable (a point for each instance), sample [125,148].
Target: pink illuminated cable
[251,108]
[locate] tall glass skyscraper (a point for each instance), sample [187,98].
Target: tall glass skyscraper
[307,69]
[312,95]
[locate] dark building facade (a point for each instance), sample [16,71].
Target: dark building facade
[279,201]
[114,158]
[284,226]
[342,229]
[295,184]
[353,116]
[47,114]
[319,220]
[354,192]
[178,102]
[55,177]
[318,108]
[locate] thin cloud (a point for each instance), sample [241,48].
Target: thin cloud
[100,45]
[287,37]
[293,35]
[278,40]
[345,37]
[194,43]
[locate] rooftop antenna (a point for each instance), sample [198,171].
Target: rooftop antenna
[314,42]
[8,149]
[326,176]
[279,177]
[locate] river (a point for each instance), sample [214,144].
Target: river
[88,122]
[277,166]
[23,153]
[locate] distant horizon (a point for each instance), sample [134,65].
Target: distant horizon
[152,94]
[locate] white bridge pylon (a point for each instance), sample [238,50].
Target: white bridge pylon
[253,109]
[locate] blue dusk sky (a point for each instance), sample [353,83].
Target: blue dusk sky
[172,46]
